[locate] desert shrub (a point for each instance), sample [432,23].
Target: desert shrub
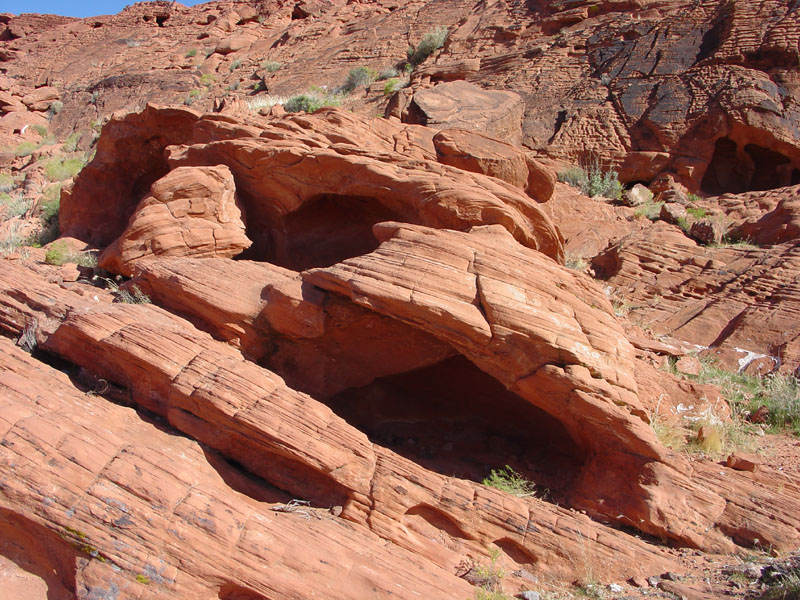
[393,85]
[310,101]
[56,107]
[11,240]
[696,212]
[489,579]
[41,130]
[7,183]
[235,65]
[302,103]
[779,393]
[13,205]
[388,73]
[57,254]
[649,210]
[593,181]
[59,169]
[508,480]
[787,587]
[191,53]
[356,78]
[71,143]
[271,66]
[430,43]
[265,101]
[26,148]
[575,262]
[60,253]
[207,79]
[134,296]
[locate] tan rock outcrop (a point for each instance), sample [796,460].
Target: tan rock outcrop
[191,211]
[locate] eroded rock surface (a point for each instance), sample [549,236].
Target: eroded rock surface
[311,192]
[191,211]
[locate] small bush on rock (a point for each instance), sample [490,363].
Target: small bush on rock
[508,480]
[356,78]
[430,43]
[593,181]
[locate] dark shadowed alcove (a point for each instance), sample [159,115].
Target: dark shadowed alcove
[455,419]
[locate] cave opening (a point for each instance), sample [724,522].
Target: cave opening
[327,229]
[735,170]
[455,419]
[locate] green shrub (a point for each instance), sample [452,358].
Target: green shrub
[310,102]
[696,212]
[489,579]
[393,85]
[235,65]
[71,143]
[207,79]
[57,254]
[430,43]
[191,53]
[271,66]
[508,480]
[388,73]
[649,210]
[7,183]
[56,107]
[779,393]
[356,78]
[41,130]
[59,169]
[593,181]
[26,148]
[13,205]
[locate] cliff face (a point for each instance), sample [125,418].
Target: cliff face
[296,348]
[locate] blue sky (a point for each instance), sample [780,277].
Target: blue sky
[75,8]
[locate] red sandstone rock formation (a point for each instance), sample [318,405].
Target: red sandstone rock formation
[399,323]
[700,91]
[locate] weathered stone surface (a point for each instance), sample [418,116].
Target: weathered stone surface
[474,152]
[490,309]
[207,390]
[739,301]
[129,507]
[9,103]
[235,43]
[588,225]
[191,211]
[777,226]
[741,461]
[41,98]
[310,198]
[459,104]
